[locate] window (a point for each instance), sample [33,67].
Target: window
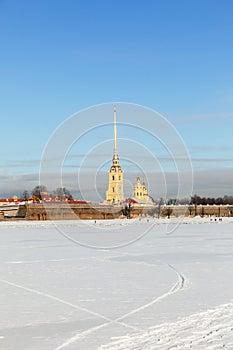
[113,189]
[113,177]
[119,177]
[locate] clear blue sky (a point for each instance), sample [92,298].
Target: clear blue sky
[174,56]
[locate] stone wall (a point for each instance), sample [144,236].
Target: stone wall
[70,212]
[201,210]
[38,211]
[22,211]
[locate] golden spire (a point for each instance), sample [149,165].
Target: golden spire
[115,193]
[115,132]
[115,159]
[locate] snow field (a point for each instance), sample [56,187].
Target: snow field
[170,289]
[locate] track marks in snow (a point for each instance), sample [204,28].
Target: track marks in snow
[108,321]
[181,280]
[175,288]
[210,330]
[78,336]
[57,299]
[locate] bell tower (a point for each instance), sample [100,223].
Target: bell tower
[115,194]
[140,191]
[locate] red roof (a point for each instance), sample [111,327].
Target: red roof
[131,200]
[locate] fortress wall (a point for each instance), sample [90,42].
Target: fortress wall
[184,210]
[22,211]
[70,212]
[201,210]
[39,211]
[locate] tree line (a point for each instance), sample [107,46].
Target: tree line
[197,200]
[38,192]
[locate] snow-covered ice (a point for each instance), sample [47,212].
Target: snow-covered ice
[120,284]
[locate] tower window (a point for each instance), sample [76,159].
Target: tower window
[119,177]
[113,189]
[113,177]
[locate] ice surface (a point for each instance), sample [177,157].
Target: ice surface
[120,284]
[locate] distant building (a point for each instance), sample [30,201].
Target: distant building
[140,190]
[12,200]
[115,193]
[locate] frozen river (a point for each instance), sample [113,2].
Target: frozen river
[122,284]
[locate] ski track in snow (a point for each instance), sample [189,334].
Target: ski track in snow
[55,298]
[174,289]
[209,330]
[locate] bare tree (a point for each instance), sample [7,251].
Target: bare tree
[161,202]
[62,193]
[167,211]
[25,195]
[126,211]
[190,209]
[38,191]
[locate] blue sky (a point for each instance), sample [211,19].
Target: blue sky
[58,57]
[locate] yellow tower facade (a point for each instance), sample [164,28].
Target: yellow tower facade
[115,192]
[140,190]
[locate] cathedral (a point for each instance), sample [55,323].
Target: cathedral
[115,193]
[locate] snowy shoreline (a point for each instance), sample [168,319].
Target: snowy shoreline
[116,222]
